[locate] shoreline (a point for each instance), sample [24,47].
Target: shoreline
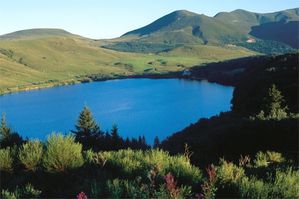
[89,79]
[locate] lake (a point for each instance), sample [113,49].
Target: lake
[149,107]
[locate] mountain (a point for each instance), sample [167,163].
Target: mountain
[278,29]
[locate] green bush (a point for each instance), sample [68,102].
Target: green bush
[141,163]
[115,188]
[62,153]
[286,184]
[269,157]
[228,172]
[253,188]
[30,192]
[26,192]
[135,189]
[6,157]
[5,194]
[30,154]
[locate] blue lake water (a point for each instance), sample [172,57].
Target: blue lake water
[149,107]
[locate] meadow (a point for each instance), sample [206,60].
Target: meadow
[32,62]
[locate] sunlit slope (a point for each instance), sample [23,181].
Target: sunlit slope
[33,61]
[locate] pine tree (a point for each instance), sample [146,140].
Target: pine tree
[87,130]
[114,132]
[117,141]
[274,108]
[5,131]
[156,142]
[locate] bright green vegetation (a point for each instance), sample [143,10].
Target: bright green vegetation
[68,171]
[271,33]
[62,153]
[30,154]
[35,59]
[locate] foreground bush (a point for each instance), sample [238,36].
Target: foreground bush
[141,174]
[141,163]
[269,157]
[27,191]
[62,153]
[135,189]
[6,163]
[30,154]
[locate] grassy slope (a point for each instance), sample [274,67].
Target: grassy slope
[183,27]
[31,62]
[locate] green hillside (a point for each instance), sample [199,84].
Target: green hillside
[236,27]
[35,58]
[36,33]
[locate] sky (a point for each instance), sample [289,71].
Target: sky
[99,19]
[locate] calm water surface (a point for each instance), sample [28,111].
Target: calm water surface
[149,107]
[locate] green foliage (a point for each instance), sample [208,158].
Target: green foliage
[135,189]
[62,153]
[286,184]
[30,192]
[134,163]
[30,154]
[5,131]
[273,107]
[25,192]
[228,172]
[253,188]
[267,47]
[86,129]
[6,157]
[267,158]
[209,187]
[140,47]
[5,194]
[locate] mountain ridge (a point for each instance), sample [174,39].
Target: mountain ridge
[185,27]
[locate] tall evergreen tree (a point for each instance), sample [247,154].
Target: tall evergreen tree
[274,106]
[156,142]
[87,130]
[5,131]
[8,138]
[117,141]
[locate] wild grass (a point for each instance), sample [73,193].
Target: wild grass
[35,62]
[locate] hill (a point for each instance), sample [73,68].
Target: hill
[241,131]
[35,33]
[48,57]
[276,30]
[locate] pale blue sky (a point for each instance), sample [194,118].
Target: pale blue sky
[112,18]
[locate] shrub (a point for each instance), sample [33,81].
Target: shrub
[228,172]
[253,188]
[140,163]
[270,157]
[5,194]
[30,192]
[209,186]
[6,157]
[30,154]
[26,192]
[286,184]
[62,153]
[115,188]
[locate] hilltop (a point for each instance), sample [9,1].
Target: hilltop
[35,33]
[276,30]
